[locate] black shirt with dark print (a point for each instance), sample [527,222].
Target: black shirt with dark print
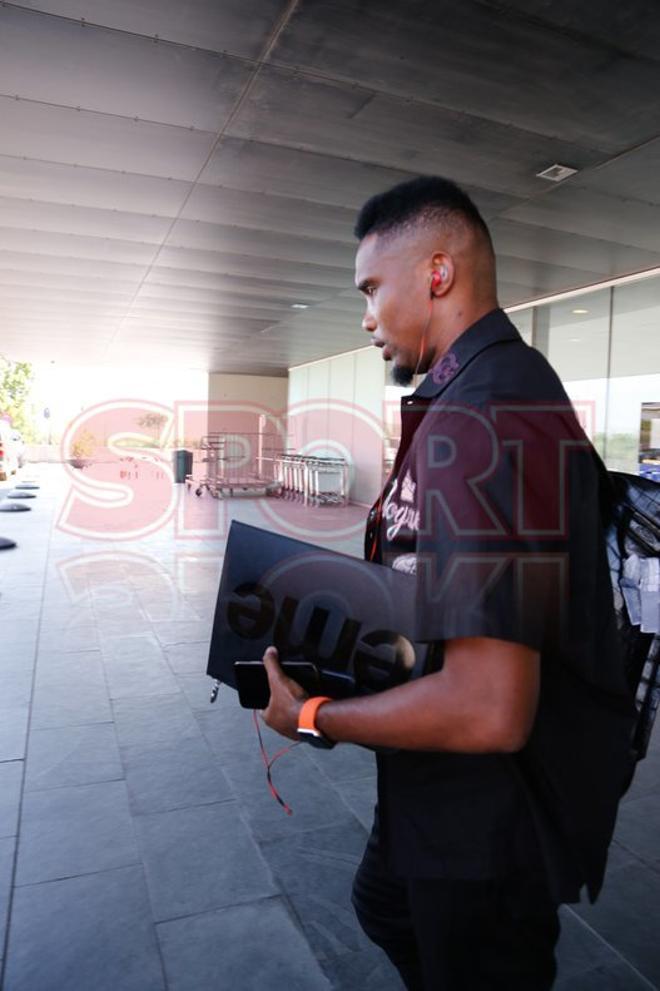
[493,504]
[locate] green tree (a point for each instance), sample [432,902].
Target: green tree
[15,383]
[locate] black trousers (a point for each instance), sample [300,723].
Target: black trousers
[447,935]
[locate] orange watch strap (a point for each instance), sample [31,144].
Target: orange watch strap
[307,715]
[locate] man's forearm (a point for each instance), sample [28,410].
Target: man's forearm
[428,714]
[482,701]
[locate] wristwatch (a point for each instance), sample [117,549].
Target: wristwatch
[307,729]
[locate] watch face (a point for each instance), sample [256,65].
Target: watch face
[316,739]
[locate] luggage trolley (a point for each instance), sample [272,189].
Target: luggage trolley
[238,464]
[311,479]
[248,465]
[328,481]
[292,472]
[213,448]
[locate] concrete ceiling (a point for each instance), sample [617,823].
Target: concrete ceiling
[176,174]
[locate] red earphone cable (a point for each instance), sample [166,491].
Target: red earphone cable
[268,763]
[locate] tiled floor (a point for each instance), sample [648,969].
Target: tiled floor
[139,847]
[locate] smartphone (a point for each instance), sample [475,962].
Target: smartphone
[252,681]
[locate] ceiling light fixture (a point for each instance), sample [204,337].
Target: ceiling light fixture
[556,173]
[579,311]
[299,306]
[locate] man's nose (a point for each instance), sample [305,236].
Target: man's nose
[368,322]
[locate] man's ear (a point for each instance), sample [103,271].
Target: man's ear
[442,274]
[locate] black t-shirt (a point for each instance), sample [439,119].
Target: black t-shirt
[493,504]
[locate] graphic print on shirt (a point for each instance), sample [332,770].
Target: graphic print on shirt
[408,488]
[397,515]
[406,563]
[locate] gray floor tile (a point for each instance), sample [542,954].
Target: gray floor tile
[78,667]
[23,634]
[620,977]
[19,658]
[103,572]
[69,690]
[7,849]
[70,638]
[197,689]
[230,730]
[250,947]
[314,801]
[84,933]
[22,596]
[109,586]
[67,704]
[159,611]
[188,658]
[59,619]
[136,646]
[618,856]
[580,949]
[344,762]
[130,677]
[76,830]
[204,604]
[119,623]
[148,583]
[316,871]
[637,826]
[647,776]
[15,684]
[72,755]
[626,914]
[368,970]
[149,724]
[11,777]
[200,859]
[174,778]
[360,796]
[13,732]
[182,631]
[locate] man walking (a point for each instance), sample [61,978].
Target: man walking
[502,768]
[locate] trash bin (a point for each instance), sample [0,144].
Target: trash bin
[183,462]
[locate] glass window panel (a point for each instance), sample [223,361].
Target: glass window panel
[574,336]
[522,319]
[634,370]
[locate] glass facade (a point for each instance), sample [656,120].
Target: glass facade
[605,347]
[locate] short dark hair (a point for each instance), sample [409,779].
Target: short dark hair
[426,199]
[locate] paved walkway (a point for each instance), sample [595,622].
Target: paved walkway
[139,846]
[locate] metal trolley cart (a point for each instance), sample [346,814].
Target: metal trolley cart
[237,464]
[313,480]
[328,481]
[212,447]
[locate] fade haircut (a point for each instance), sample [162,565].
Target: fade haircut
[426,201]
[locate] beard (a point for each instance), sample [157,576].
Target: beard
[402,374]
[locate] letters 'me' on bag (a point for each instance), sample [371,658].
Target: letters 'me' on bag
[344,615]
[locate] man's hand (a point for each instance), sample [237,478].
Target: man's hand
[482,701]
[286,698]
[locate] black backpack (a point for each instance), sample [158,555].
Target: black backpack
[631,516]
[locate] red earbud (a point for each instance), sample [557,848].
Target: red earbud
[437,277]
